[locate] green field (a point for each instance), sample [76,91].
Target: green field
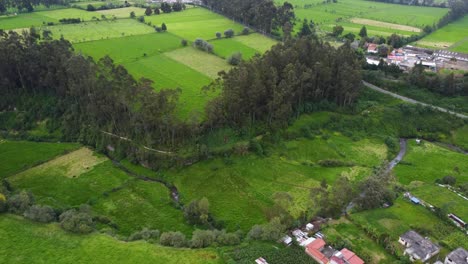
[247,45]
[121,12]
[460,137]
[16,156]
[454,37]
[131,48]
[428,162]
[203,62]
[27,242]
[326,15]
[142,204]
[360,242]
[240,192]
[195,23]
[99,30]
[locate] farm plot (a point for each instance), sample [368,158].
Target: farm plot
[68,13]
[71,179]
[24,21]
[168,73]
[428,162]
[142,204]
[24,241]
[326,15]
[131,48]
[200,61]
[99,30]
[241,189]
[121,12]
[453,36]
[248,45]
[195,23]
[19,155]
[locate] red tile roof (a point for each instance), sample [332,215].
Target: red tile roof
[313,249]
[351,257]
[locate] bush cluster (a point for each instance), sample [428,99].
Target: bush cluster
[203,45]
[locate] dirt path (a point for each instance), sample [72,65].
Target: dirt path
[412,101]
[399,157]
[145,147]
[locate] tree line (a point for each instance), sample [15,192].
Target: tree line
[47,80]
[28,5]
[263,15]
[285,82]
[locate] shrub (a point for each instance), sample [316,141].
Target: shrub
[334,163]
[70,20]
[245,31]
[173,239]
[197,211]
[202,238]
[90,8]
[450,180]
[77,221]
[141,19]
[235,59]
[132,14]
[184,42]
[43,214]
[19,203]
[3,203]
[218,35]
[256,147]
[163,27]
[229,33]
[145,234]
[203,45]
[158,29]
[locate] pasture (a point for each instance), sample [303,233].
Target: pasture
[99,30]
[241,188]
[16,156]
[70,180]
[195,23]
[350,13]
[248,45]
[428,162]
[26,242]
[453,36]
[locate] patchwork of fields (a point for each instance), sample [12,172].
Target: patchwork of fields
[159,57]
[454,37]
[353,14]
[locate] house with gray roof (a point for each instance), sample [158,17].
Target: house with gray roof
[458,256]
[418,247]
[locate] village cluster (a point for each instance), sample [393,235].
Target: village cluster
[407,56]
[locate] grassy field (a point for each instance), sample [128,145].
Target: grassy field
[247,45]
[70,180]
[168,73]
[16,156]
[326,15]
[428,162]
[460,137]
[99,30]
[26,242]
[131,48]
[200,61]
[24,21]
[122,12]
[195,23]
[241,189]
[142,204]
[454,36]
[360,242]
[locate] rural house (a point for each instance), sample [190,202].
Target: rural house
[315,249]
[345,256]
[458,256]
[418,247]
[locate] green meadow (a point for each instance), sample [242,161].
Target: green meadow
[26,242]
[99,30]
[248,45]
[453,36]
[326,15]
[16,156]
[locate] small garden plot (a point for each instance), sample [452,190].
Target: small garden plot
[203,62]
[51,185]
[20,155]
[195,23]
[428,162]
[99,30]
[131,48]
[26,242]
[168,73]
[142,204]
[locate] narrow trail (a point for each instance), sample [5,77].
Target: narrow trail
[143,146]
[412,101]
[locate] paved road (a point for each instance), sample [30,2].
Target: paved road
[409,100]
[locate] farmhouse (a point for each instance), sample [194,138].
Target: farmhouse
[418,247]
[458,256]
[315,249]
[327,255]
[345,256]
[372,48]
[261,261]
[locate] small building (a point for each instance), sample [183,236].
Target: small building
[415,200]
[287,240]
[350,257]
[372,48]
[457,220]
[261,261]
[309,227]
[418,247]
[314,250]
[418,141]
[458,256]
